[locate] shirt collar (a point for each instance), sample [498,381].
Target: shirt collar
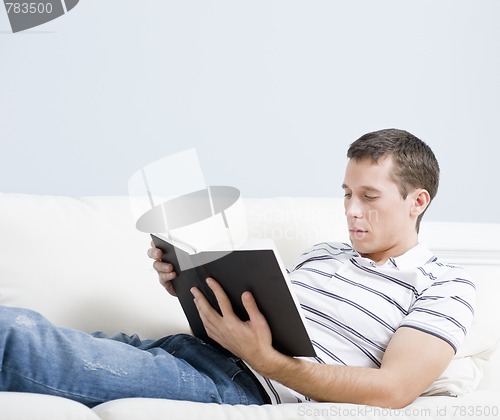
[417,256]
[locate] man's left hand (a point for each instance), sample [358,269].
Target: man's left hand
[249,340]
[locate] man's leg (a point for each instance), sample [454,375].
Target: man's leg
[37,356]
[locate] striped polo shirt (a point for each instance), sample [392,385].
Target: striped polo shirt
[352,307]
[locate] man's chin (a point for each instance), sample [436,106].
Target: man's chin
[359,237]
[361,246]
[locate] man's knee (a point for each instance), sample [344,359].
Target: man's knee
[12,316]
[18,325]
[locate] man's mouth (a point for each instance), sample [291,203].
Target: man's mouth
[358,233]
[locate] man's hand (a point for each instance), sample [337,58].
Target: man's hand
[165,270]
[249,340]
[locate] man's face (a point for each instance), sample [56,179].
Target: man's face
[380,221]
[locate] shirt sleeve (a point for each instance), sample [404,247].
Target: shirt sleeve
[446,308]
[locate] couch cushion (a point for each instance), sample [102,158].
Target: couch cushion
[461,244]
[17,406]
[422,408]
[82,263]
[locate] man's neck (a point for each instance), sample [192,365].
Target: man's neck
[381,257]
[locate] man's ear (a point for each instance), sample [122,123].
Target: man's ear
[420,200]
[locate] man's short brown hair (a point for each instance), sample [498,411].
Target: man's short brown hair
[415,165]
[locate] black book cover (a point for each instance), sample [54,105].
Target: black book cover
[254,270]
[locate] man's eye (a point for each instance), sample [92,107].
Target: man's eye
[347,195]
[370,197]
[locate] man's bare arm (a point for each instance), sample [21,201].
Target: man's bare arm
[412,361]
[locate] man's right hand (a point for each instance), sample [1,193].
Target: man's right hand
[165,270]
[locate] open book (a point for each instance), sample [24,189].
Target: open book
[255,267]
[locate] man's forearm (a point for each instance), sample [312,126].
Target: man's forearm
[330,383]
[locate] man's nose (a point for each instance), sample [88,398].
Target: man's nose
[354,209]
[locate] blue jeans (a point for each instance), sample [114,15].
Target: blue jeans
[38,357]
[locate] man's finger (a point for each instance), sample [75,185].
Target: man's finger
[222,299]
[251,306]
[154,253]
[202,304]
[208,315]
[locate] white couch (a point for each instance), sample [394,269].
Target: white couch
[81,263]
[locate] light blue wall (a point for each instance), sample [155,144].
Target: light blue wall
[269,92]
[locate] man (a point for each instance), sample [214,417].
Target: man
[385,316]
